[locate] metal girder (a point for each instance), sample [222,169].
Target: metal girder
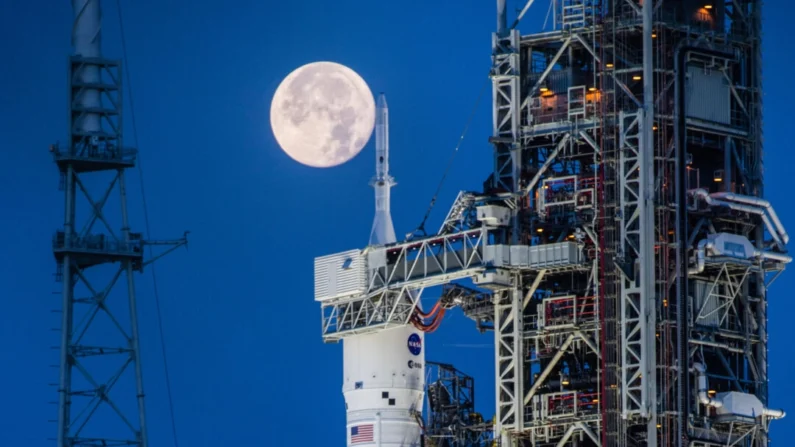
[456,218]
[509,363]
[638,259]
[427,262]
[391,308]
[505,75]
[561,144]
[396,275]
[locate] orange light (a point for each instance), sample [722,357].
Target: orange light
[654,128]
[653,35]
[596,401]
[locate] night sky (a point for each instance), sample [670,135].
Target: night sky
[247,363]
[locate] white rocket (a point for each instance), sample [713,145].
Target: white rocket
[384,373]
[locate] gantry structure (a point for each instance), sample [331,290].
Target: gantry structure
[622,249]
[100,388]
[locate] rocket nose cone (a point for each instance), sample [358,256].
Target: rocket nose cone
[381,101]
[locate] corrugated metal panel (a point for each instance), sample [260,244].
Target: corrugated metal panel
[556,81]
[539,256]
[339,275]
[705,307]
[707,95]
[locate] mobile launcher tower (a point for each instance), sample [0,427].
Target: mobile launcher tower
[621,249]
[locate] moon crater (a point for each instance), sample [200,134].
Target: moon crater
[322,114]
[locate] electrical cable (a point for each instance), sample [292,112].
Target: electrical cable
[146,221]
[421,227]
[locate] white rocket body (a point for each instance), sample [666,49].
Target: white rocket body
[384,373]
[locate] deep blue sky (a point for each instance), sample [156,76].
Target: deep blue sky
[243,336]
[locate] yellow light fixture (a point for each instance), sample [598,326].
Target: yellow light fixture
[596,401]
[707,6]
[609,65]
[539,230]
[654,128]
[591,89]
[543,89]
[711,392]
[653,35]
[565,382]
[636,78]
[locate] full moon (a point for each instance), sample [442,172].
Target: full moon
[322,114]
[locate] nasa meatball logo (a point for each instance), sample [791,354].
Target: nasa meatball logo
[415,344]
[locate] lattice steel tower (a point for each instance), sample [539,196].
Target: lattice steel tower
[621,249]
[97,349]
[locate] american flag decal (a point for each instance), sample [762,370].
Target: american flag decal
[361,433]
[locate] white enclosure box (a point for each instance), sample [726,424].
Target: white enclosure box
[495,280]
[493,215]
[340,275]
[731,245]
[740,404]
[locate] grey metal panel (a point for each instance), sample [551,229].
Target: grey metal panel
[376,258]
[705,308]
[536,257]
[708,95]
[520,254]
[334,279]
[496,255]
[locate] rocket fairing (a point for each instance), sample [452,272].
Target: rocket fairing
[384,372]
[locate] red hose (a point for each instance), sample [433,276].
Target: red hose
[432,326]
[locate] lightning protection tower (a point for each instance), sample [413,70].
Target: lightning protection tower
[101,393]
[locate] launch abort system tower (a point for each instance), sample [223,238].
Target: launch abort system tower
[622,248]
